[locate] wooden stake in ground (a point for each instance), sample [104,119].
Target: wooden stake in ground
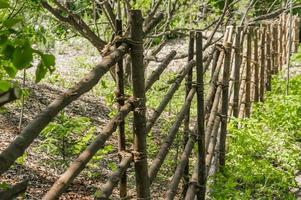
[139,121]
[289,48]
[214,62]
[187,117]
[200,118]
[237,64]
[262,64]
[248,73]
[280,46]
[225,104]
[268,58]
[275,48]
[256,66]
[120,100]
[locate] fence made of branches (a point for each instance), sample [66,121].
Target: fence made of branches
[241,70]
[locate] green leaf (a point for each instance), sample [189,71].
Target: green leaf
[11,22]
[8,51]
[10,70]
[48,60]
[22,56]
[3,39]
[4,85]
[40,72]
[4,4]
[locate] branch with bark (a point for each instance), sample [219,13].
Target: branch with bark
[76,22]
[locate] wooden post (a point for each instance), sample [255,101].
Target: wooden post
[285,37]
[224,112]
[275,49]
[120,100]
[214,61]
[262,63]
[242,90]
[268,58]
[272,49]
[139,122]
[289,46]
[280,46]
[237,64]
[256,66]
[248,73]
[200,118]
[297,33]
[187,117]
[294,35]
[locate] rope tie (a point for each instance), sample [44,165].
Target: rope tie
[119,39]
[139,156]
[120,98]
[222,117]
[218,83]
[123,153]
[138,104]
[226,84]
[196,85]
[194,133]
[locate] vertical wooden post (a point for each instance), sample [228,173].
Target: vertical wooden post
[242,90]
[139,122]
[237,64]
[280,46]
[275,49]
[200,118]
[297,33]
[272,49]
[224,113]
[289,46]
[120,100]
[262,64]
[214,61]
[268,58]
[285,37]
[187,117]
[248,73]
[256,66]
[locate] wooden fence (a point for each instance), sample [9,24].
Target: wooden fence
[241,71]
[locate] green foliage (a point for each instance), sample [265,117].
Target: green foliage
[21,160]
[16,40]
[67,137]
[4,85]
[264,152]
[297,56]
[3,185]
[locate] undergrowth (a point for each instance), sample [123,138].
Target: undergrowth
[264,150]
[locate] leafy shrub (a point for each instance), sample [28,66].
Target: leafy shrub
[67,137]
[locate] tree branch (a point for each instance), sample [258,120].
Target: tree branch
[76,22]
